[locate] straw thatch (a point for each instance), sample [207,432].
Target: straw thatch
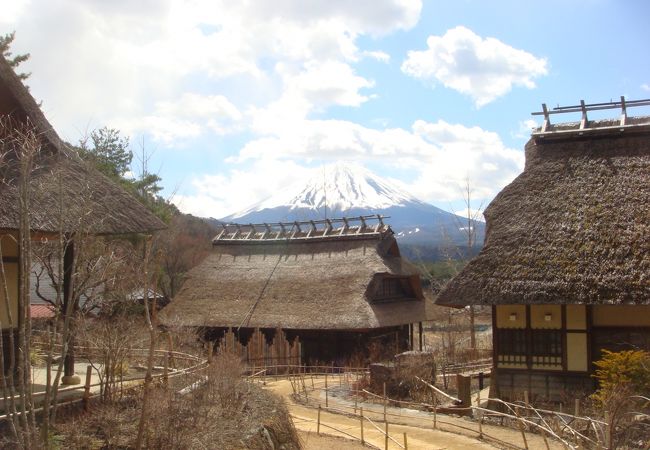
[574,227]
[298,284]
[61,181]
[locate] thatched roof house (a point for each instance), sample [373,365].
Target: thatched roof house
[65,194]
[567,246]
[301,276]
[92,202]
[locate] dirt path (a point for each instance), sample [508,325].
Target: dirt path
[418,438]
[452,432]
[313,441]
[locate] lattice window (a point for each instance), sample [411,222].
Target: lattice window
[392,288]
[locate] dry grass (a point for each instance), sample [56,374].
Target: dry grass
[222,410]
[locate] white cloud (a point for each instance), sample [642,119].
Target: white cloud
[463,153]
[441,156]
[12,10]
[326,83]
[121,58]
[484,69]
[645,87]
[312,87]
[220,195]
[525,129]
[377,55]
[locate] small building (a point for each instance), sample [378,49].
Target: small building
[337,287]
[566,260]
[65,195]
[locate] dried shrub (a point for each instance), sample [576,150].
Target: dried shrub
[219,409]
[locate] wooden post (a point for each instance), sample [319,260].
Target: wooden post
[210,352]
[318,421]
[420,336]
[355,401]
[608,431]
[435,410]
[361,420]
[385,402]
[521,424]
[406,442]
[326,394]
[396,342]
[480,419]
[166,371]
[386,436]
[170,349]
[577,407]
[86,397]
[463,385]
[544,437]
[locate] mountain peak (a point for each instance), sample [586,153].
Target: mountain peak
[336,187]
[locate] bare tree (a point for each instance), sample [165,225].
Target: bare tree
[20,146]
[467,223]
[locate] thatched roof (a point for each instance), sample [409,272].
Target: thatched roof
[321,283]
[89,200]
[574,227]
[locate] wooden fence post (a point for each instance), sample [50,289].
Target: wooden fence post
[406,442]
[435,409]
[480,419]
[386,436]
[326,393]
[86,397]
[166,371]
[522,426]
[210,352]
[170,349]
[361,420]
[318,421]
[608,431]
[385,403]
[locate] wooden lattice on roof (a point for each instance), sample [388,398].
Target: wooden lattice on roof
[303,230]
[587,127]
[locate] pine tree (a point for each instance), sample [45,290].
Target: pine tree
[14,62]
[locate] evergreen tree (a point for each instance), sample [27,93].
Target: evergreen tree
[110,152]
[5,44]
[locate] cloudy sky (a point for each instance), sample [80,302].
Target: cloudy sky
[232,100]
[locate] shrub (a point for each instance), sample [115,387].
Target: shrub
[627,370]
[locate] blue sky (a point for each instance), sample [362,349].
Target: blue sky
[234,100]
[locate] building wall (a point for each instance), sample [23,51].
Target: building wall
[620,315]
[9,253]
[542,386]
[548,350]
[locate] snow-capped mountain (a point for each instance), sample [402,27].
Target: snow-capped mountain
[335,188]
[340,189]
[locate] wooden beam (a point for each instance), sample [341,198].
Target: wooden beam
[251,232]
[584,120]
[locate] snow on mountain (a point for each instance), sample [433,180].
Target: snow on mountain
[350,190]
[336,187]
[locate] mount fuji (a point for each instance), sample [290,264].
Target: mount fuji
[349,190]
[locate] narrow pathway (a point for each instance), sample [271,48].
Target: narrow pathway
[418,438]
[451,433]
